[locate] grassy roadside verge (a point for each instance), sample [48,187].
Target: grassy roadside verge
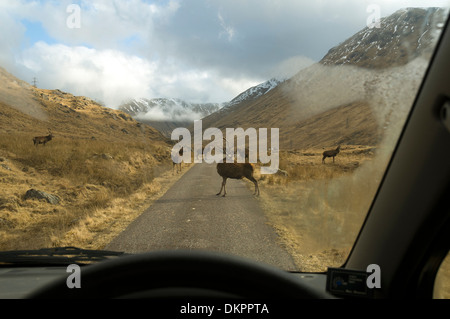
[318,209]
[101,187]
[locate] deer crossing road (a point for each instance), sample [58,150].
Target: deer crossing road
[191,216]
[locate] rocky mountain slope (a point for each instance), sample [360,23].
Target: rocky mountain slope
[372,74]
[254,92]
[402,36]
[29,110]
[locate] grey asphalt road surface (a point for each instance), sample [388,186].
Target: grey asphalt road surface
[190,216]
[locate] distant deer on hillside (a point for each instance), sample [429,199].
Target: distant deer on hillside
[43,139]
[331,153]
[177,165]
[236,171]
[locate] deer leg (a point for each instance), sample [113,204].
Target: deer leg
[175,169]
[255,182]
[222,187]
[256,187]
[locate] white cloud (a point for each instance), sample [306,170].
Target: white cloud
[228,30]
[113,77]
[174,112]
[107,75]
[105,23]
[291,66]
[235,85]
[156,114]
[201,51]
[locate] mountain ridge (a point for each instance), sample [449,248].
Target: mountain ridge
[339,82]
[402,36]
[166,114]
[30,110]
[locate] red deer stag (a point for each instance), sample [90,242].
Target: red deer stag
[236,171]
[178,158]
[331,153]
[43,139]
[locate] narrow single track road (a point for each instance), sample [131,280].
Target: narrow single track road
[190,216]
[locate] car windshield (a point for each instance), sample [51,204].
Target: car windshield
[120,121]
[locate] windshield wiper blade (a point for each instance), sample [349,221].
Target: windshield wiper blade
[56,256]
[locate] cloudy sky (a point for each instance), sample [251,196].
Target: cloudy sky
[196,50]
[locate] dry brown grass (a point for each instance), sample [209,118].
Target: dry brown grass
[102,186]
[318,208]
[442,282]
[98,228]
[101,163]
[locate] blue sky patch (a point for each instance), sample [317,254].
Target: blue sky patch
[35,32]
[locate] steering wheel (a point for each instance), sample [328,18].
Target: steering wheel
[181,274]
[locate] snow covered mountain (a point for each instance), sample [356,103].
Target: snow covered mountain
[255,92]
[163,109]
[358,91]
[166,114]
[252,94]
[402,36]
[363,66]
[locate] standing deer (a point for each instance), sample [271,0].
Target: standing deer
[177,165]
[236,171]
[43,139]
[331,153]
